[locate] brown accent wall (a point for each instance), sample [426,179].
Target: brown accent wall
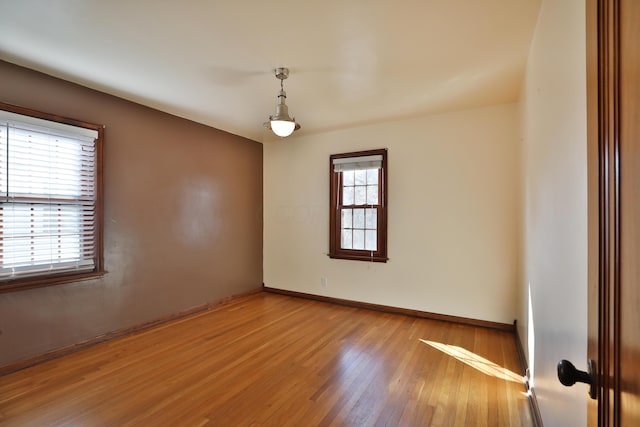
[183,220]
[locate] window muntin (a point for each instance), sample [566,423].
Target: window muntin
[50,199]
[358,206]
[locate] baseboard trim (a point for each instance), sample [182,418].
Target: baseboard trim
[520,349]
[531,393]
[395,310]
[120,333]
[535,409]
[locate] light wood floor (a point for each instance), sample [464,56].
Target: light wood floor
[272,360]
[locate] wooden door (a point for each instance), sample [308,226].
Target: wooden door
[613,98]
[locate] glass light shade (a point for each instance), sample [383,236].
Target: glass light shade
[283,127]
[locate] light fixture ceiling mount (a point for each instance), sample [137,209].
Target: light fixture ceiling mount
[280,123]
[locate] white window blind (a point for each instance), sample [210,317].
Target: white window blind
[357,163]
[47,197]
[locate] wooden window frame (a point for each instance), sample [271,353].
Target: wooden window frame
[55,278]
[335,204]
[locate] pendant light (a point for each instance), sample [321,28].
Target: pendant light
[280,123]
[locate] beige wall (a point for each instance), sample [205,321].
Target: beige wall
[554,184]
[183,220]
[452,214]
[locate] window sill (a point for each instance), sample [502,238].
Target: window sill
[355,257]
[39,282]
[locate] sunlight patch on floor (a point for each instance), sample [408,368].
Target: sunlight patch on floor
[478,362]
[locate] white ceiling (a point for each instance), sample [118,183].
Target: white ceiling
[352,61]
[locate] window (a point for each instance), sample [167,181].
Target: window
[358,204]
[50,199]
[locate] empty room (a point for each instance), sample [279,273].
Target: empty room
[296,213]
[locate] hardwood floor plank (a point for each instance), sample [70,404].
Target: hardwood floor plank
[273,360]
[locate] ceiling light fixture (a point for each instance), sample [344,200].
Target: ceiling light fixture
[280,123]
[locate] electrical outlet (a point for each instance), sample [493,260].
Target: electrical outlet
[323,282]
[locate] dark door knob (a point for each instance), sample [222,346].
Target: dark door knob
[569,375]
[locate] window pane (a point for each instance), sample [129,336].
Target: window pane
[371,240]
[361,177]
[372,176]
[347,178]
[358,218]
[371,219]
[36,234]
[358,239]
[372,194]
[346,239]
[347,218]
[361,195]
[41,164]
[347,195]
